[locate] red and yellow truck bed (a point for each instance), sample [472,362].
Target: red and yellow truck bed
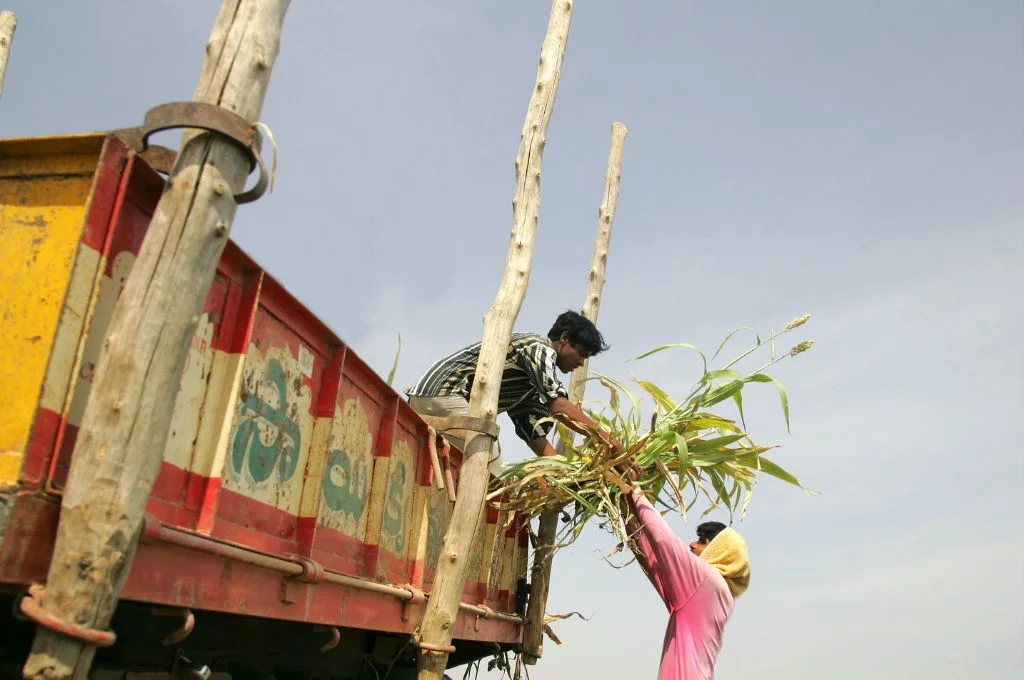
[296,485]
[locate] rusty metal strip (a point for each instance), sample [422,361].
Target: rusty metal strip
[200,116]
[32,606]
[417,597]
[295,568]
[427,647]
[335,637]
[187,624]
[435,463]
[449,479]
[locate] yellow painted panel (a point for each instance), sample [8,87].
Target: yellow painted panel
[339,486]
[69,330]
[214,436]
[42,214]
[50,156]
[398,497]
[192,395]
[255,466]
[420,522]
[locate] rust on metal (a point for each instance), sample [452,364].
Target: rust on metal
[283,595]
[485,612]
[449,479]
[312,571]
[32,607]
[187,624]
[435,462]
[200,116]
[427,647]
[335,637]
[417,597]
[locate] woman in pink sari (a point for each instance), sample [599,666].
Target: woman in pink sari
[697,582]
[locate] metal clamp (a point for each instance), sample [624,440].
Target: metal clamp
[483,612]
[312,571]
[151,526]
[197,115]
[32,606]
[417,597]
[428,647]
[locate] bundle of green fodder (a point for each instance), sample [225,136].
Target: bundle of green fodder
[682,451]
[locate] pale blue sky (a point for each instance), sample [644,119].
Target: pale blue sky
[860,161]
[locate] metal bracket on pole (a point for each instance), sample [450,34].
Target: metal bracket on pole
[197,115]
[31,605]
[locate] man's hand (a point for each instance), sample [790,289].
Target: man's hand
[628,469]
[573,416]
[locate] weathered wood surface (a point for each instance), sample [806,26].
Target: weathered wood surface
[8,22]
[540,572]
[443,605]
[125,425]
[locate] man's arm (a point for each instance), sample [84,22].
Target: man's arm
[542,447]
[571,415]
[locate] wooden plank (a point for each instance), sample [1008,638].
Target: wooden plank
[125,425]
[442,608]
[540,575]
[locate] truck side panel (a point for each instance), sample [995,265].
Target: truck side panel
[285,448]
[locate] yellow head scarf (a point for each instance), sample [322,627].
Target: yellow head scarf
[727,552]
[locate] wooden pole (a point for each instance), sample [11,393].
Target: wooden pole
[443,605]
[8,22]
[124,429]
[540,573]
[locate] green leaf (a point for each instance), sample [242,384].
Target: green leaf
[394,364]
[706,421]
[721,374]
[710,445]
[660,397]
[723,392]
[769,468]
[729,337]
[738,398]
[783,399]
[719,484]
[582,501]
[684,345]
[611,381]
[723,494]
[682,453]
[714,458]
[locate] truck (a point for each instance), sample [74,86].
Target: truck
[301,505]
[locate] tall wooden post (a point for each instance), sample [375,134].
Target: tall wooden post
[125,425]
[8,22]
[540,573]
[443,606]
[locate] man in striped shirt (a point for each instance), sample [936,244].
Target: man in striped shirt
[530,388]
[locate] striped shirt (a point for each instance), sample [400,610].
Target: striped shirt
[528,382]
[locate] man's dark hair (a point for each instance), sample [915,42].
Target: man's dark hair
[707,531]
[581,330]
